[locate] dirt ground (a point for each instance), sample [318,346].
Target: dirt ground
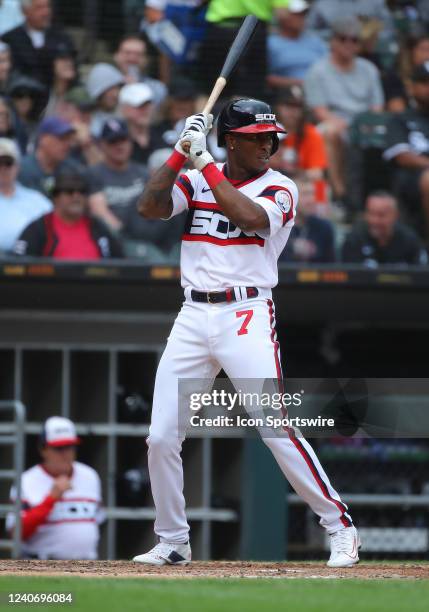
[213,569]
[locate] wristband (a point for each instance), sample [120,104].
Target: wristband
[176,161]
[212,175]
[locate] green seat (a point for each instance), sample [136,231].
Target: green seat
[144,251]
[367,171]
[369,130]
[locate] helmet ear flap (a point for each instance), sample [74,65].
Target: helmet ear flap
[276,144]
[221,142]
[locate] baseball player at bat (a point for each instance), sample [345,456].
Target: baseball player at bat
[238,219]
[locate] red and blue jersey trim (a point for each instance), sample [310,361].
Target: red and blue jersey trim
[270,194]
[185,186]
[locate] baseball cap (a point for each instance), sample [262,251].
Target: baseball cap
[135,94]
[78,96]
[101,78]
[421,72]
[293,95]
[348,26]
[59,431]
[182,88]
[55,126]
[22,85]
[9,149]
[297,6]
[114,129]
[63,49]
[70,179]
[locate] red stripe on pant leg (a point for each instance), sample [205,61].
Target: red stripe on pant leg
[273,338]
[275,342]
[345,521]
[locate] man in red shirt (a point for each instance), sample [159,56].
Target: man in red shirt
[68,232]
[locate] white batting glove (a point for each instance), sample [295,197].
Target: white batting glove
[198,153]
[195,123]
[199,123]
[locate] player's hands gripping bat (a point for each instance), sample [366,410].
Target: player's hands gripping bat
[198,123]
[198,153]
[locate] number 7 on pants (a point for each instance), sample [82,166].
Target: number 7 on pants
[247,314]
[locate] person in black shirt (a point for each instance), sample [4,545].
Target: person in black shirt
[381,238]
[408,150]
[33,44]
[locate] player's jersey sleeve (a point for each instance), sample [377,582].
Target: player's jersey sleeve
[183,191]
[279,200]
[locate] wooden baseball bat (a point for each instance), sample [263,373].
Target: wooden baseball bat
[236,50]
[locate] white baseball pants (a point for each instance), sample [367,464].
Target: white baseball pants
[239,337]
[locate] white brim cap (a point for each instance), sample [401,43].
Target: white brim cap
[59,431]
[135,94]
[297,6]
[8,148]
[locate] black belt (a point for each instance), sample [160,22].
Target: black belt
[217,297]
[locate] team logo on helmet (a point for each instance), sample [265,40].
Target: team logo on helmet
[248,116]
[265,117]
[283,201]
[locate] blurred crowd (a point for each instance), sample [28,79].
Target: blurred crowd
[348,79]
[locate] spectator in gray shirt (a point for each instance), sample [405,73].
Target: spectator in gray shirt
[339,87]
[121,182]
[103,85]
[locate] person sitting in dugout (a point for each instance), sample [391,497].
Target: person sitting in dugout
[60,499]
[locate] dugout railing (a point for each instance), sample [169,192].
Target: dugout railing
[12,435]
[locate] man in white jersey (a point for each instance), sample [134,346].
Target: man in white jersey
[239,217]
[61,499]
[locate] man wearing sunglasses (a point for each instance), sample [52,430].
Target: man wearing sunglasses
[19,205]
[61,499]
[68,232]
[339,87]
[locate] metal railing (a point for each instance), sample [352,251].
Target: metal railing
[16,438]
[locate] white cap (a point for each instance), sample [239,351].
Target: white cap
[8,148]
[59,431]
[297,6]
[135,94]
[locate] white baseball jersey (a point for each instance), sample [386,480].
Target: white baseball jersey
[217,254]
[71,529]
[238,336]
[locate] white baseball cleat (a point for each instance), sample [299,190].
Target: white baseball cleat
[167,553]
[345,545]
